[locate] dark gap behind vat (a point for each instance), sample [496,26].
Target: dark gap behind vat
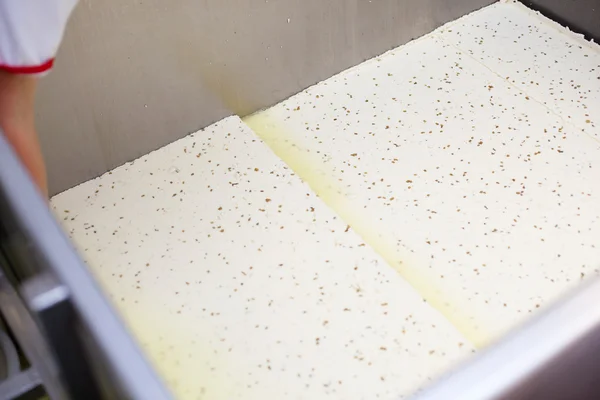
[580,16]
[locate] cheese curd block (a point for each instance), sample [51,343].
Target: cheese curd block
[241,284]
[479,187]
[554,66]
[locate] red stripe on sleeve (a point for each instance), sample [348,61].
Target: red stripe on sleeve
[28,69]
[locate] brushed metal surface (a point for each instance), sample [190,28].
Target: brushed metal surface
[134,76]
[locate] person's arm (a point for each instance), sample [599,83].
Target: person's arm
[17,121]
[30,33]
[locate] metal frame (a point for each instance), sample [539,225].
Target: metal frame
[32,342]
[18,385]
[52,256]
[554,356]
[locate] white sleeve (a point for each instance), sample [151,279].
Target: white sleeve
[30,33]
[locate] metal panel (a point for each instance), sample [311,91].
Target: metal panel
[554,356]
[134,76]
